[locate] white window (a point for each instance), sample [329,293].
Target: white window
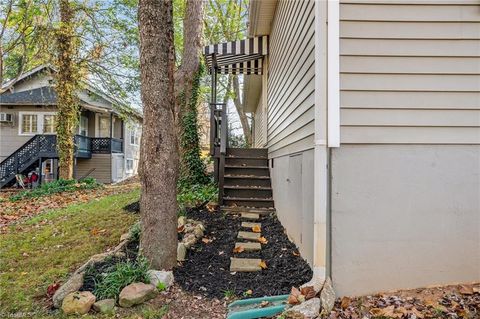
[49,123]
[134,136]
[29,124]
[129,166]
[104,126]
[32,123]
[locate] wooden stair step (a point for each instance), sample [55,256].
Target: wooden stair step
[247,166]
[247,235]
[249,246]
[245,264]
[251,225]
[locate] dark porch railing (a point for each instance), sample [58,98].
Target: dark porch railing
[106,145]
[218,142]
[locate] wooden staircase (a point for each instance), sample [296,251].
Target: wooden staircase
[246,181]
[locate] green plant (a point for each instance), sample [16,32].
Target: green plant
[58,186]
[194,195]
[229,294]
[135,231]
[151,313]
[120,275]
[161,286]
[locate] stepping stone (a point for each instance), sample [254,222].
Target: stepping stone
[245,264]
[248,235]
[249,246]
[251,225]
[250,216]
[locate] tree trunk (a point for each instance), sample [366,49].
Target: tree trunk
[67,79]
[241,112]
[159,152]
[187,92]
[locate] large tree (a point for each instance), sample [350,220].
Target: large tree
[159,155]
[67,78]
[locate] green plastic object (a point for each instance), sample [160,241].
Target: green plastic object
[252,309]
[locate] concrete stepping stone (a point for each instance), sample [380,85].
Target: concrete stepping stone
[245,264]
[250,216]
[248,235]
[251,225]
[249,246]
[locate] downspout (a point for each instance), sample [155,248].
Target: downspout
[326,128]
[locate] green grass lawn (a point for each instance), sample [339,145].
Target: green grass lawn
[46,248]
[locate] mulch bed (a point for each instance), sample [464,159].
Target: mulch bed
[206,270]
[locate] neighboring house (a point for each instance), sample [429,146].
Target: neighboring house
[107,140]
[372,124]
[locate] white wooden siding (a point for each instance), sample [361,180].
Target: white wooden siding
[291,79]
[259,138]
[410,72]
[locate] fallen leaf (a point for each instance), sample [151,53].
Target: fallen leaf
[249,292]
[386,312]
[466,290]
[262,240]
[206,240]
[262,264]
[308,292]
[295,292]
[52,289]
[264,304]
[292,300]
[238,249]
[295,253]
[345,302]
[256,229]
[180,229]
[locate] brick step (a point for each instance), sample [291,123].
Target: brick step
[247,235]
[249,246]
[245,264]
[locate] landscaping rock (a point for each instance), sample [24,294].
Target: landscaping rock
[125,236]
[198,231]
[165,277]
[105,306]
[181,221]
[72,285]
[327,297]
[135,294]
[181,252]
[316,282]
[310,309]
[78,302]
[189,240]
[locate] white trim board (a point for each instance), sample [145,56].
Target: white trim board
[333,73]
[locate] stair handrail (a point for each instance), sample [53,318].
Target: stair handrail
[15,157]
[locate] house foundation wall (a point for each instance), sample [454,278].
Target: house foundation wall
[404,216]
[293,191]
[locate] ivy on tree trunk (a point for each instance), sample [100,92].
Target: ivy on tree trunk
[67,79]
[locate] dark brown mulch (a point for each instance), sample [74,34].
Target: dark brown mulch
[207,269]
[133,207]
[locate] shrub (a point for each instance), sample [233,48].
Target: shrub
[110,283]
[195,195]
[58,186]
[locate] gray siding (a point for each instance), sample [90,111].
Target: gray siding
[291,79]
[259,138]
[404,216]
[10,140]
[410,72]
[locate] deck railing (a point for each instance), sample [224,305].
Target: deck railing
[219,142]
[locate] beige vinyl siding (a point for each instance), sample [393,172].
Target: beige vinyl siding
[10,140]
[291,79]
[410,72]
[102,163]
[259,138]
